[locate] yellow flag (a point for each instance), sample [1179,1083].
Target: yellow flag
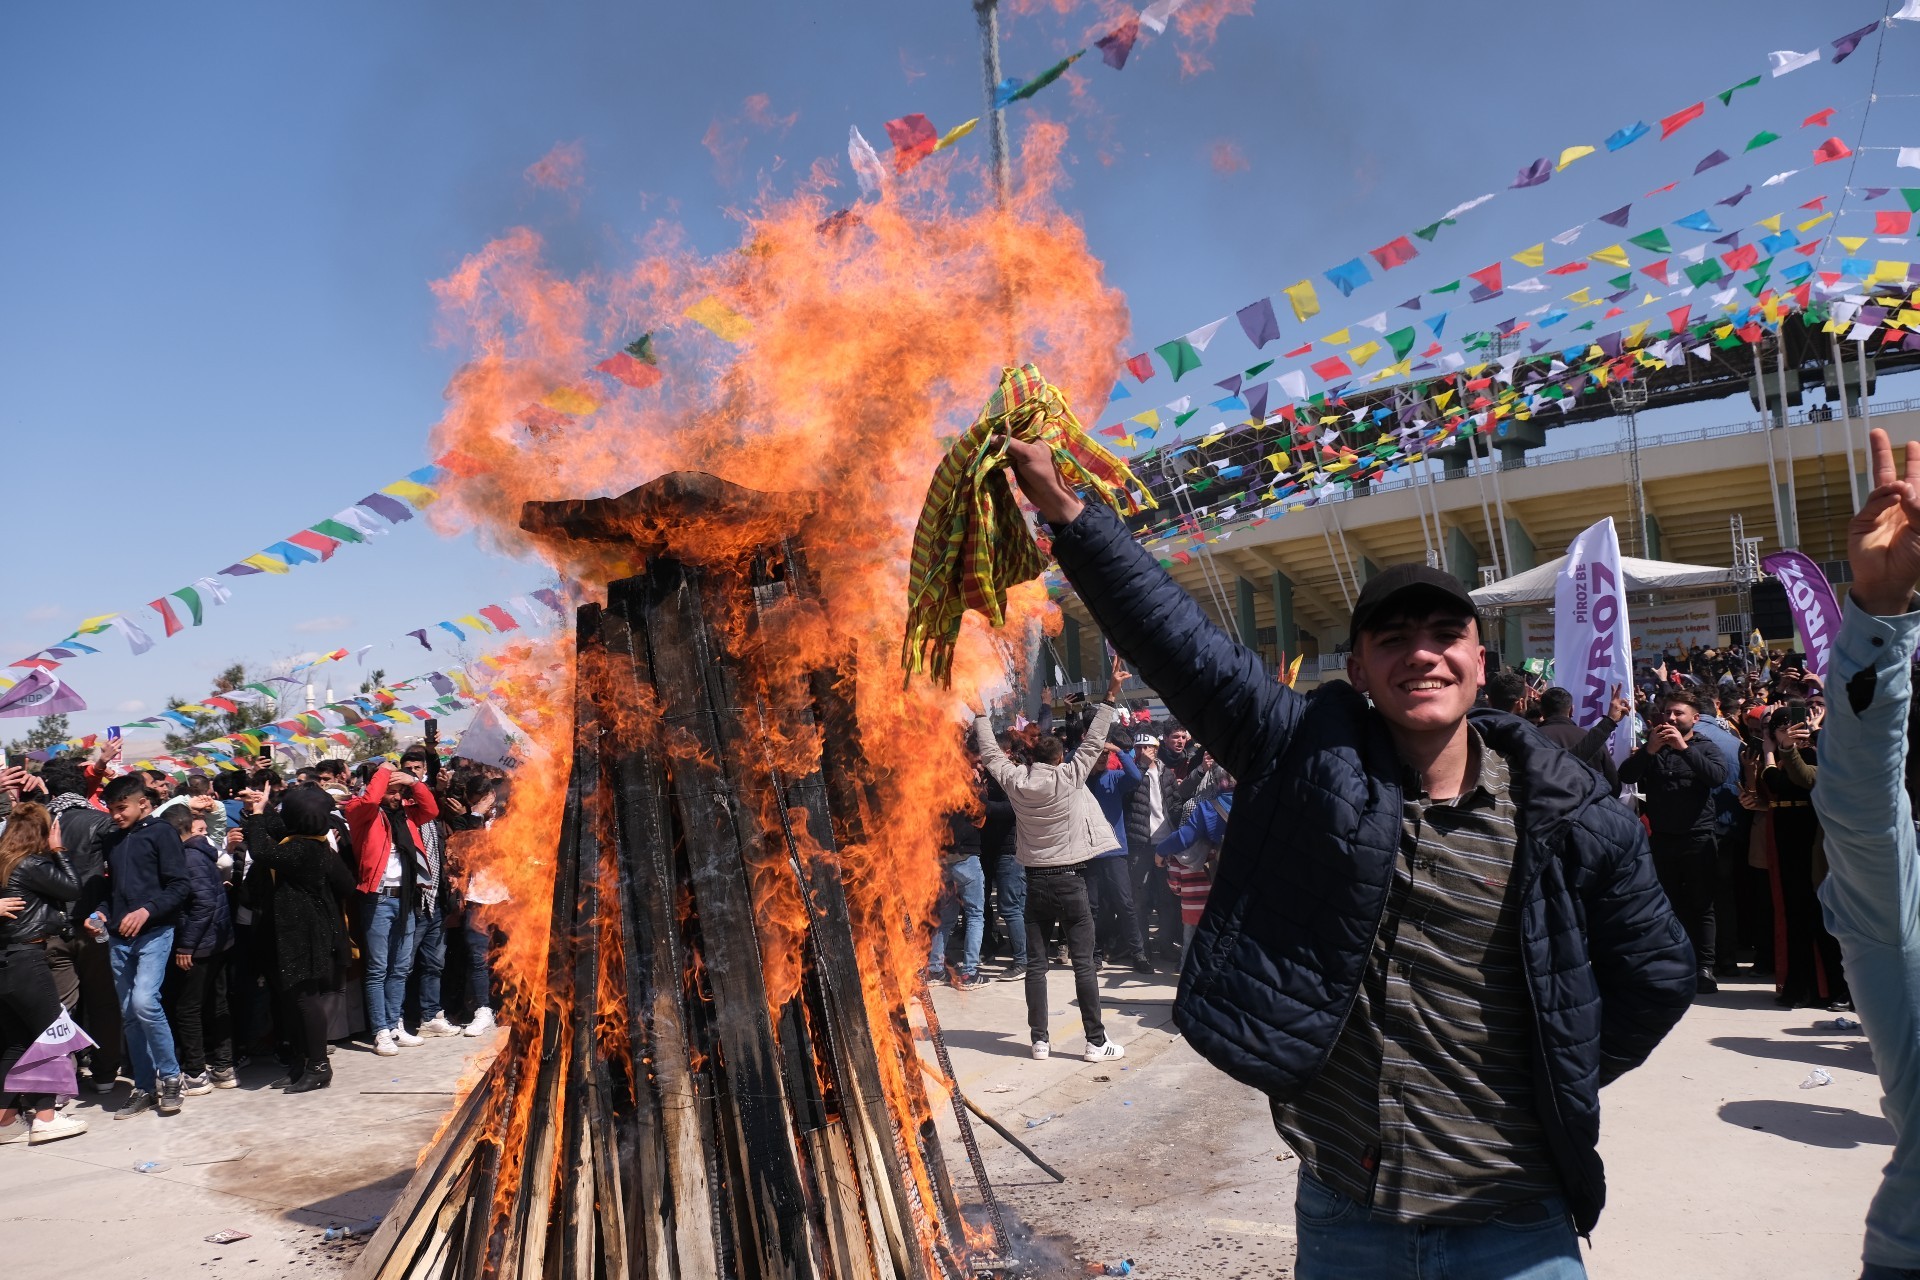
[1579,296]
[474,622]
[1279,461]
[1571,154]
[1811,223]
[1402,370]
[1637,332]
[1908,318]
[1851,243]
[1215,438]
[1888,270]
[571,400]
[716,316]
[1772,224]
[266,563]
[1364,352]
[1305,301]
[93,626]
[416,494]
[1440,401]
[1125,442]
[1338,338]
[1151,418]
[1534,257]
[956,133]
[1613,255]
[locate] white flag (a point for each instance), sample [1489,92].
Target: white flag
[211,587]
[1474,203]
[1154,16]
[1568,236]
[1909,12]
[1200,337]
[492,738]
[1591,654]
[1294,382]
[1909,156]
[1785,60]
[1779,178]
[137,640]
[866,163]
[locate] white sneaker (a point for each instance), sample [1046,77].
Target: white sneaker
[438,1025]
[482,1022]
[17,1131]
[55,1129]
[405,1038]
[1040,1050]
[384,1046]
[1105,1052]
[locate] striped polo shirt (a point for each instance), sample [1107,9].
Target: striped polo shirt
[1425,1110]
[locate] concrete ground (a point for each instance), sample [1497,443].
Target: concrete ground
[282,1169]
[1719,1165]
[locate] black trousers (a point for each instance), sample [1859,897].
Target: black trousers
[1685,866]
[303,1020]
[99,1012]
[1117,930]
[1806,932]
[1058,896]
[1159,905]
[28,1006]
[196,1002]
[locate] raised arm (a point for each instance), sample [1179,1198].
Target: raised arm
[1214,686]
[1092,746]
[992,758]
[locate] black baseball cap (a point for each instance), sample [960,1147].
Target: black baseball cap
[1400,584]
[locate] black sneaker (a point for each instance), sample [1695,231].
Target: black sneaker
[963,981]
[169,1100]
[137,1101]
[195,1086]
[1018,973]
[1142,965]
[1705,984]
[223,1077]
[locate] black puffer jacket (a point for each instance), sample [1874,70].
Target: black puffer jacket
[1140,835]
[1309,858]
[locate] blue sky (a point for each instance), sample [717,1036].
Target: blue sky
[224,219]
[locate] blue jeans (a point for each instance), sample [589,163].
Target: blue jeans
[1339,1237]
[389,933]
[139,966]
[430,959]
[1012,880]
[966,894]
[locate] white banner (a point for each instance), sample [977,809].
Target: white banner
[1657,628]
[1590,648]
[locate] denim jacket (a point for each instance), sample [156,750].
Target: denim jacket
[1872,891]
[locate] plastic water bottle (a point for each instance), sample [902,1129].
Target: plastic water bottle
[1839,1024]
[1815,1079]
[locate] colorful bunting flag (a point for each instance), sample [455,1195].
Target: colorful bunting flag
[1670,125]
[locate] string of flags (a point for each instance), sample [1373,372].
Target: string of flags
[1259,320]
[372,516]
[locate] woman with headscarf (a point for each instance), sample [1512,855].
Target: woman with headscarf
[298,883]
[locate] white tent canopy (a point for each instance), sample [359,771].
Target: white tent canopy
[1536,585]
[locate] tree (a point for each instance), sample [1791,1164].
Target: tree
[47,731]
[216,724]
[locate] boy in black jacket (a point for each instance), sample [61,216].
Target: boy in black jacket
[133,911]
[195,993]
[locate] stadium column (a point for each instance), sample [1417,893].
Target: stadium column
[1525,556]
[1285,639]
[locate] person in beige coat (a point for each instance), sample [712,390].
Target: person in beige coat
[1058,828]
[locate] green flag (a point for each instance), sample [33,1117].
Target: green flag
[1654,241]
[1180,356]
[1622,281]
[1401,340]
[1912,196]
[1761,139]
[1704,272]
[1429,232]
[191,598]
[1258,369]
[1044,79]
[1180,420]
[1450,287]
[1726,96]
[335,529]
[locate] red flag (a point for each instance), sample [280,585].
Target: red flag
[1394,253]
[1298,351]
[1115,431]
[1828,277]
[1488,276]
[1657,270]
[1678,318]
[1803,295]
[1817,204]
[1750,334]
[165,611]
[913,139]
[499,617]
[1140,366]
[1679,120]
[635,373]
[1808,250]
[1332,367]
[1567,268]
[1611,312]
[1742,258]
[1892,224]
[1818,119]
[1659,191]
[1831,149]
[1433,350]
[317,542]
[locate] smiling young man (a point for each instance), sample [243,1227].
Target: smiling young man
[1432,937]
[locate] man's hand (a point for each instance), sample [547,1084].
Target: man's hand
[253,801]
[1798,736]
[13,780]
[1115,682]
[1883,540]
[1657,740]
[183,960]
[1040,481]
[132,922]
[1618,708]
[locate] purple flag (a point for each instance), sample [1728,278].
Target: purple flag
[1117,44]
[1534,174]
[40,693]
[1718,157]
[1256,320]
[421,636]
[1816,615]
[1618,217]
[550,598]
[1843,47]
[392,508]
[1737,196]
[1256,397]
[47,1065]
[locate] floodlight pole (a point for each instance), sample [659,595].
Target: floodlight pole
[988,14]
[1628,399]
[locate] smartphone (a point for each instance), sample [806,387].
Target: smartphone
[113,733]
[433,729]
[266,752]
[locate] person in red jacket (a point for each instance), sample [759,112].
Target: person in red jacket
[392,876]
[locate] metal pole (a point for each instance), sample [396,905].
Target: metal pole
[988,13]
[1866,412]
[1334,560]
[1500,507]
[1786,431]
[1766,429]
[1846,417]
[1486,514]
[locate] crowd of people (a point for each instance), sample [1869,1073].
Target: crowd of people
[187,926]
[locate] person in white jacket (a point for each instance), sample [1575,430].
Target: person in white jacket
[1058,828]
